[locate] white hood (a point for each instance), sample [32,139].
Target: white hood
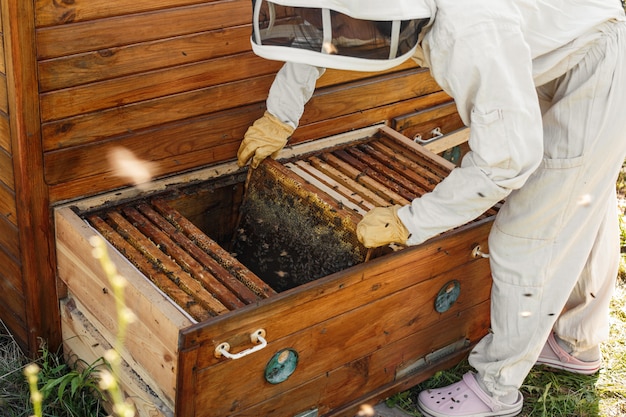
[371,9]
[358,35]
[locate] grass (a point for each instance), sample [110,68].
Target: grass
[68,391]
[549,393]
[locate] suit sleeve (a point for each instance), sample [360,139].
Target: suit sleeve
[291,90]
[487,68]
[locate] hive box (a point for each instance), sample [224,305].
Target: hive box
[214,338]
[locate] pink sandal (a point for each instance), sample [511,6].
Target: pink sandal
[465,399]
[554,356]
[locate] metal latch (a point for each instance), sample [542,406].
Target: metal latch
[433,357]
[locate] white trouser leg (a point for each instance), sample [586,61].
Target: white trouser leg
[551,235]
[584,322]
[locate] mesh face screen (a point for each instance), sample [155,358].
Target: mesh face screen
[281,30]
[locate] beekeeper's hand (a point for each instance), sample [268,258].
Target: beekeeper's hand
[265,137]
[381,226]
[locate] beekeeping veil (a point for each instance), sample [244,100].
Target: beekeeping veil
[359,35]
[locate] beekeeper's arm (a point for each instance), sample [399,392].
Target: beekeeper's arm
[486,66]
[291,90]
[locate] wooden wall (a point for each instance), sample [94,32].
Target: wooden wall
[173,81]
[12,307]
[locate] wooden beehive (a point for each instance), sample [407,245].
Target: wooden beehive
[318,347]
[175,83]
[172,81]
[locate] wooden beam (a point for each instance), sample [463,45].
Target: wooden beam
[34,218]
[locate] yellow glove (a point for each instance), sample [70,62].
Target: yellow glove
[381,226]
[265,137]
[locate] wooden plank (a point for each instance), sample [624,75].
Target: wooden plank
[210,173]
[158,56]
[208,245]
[424,174]
[347,181]
[159,278]
[448,141]
[351,195]
[335,124]
[3,68]
[15,322]
[11,286]
[331,102]
[4,95]
[188,263]
[390,169]
[224,276]
[370,379]
[9,237]
[155,335]
[102,34]
[416,118]
[6,169]
[185,405]
[342,339]
[52,12]
[81,339]
[134,59]
[383,184]
[334,76]
[92,127]
[443,165]
[412,179]
[204,140]
[335,101]
[145,86]
[34,217]
[11,271]
[7,204]
[5,133]
[472,324]
[357,96]
[150,250]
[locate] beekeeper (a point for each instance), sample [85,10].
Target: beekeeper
[542,85]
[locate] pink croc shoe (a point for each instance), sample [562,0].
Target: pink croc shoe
[554,356]
[465,399]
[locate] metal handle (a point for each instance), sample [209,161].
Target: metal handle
[257,337]
[435,134]
[477,252]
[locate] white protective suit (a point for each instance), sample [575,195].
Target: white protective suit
[542,85]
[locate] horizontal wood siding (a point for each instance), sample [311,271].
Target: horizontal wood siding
[5,133]
[51,12]
[7,203]
[175,82]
